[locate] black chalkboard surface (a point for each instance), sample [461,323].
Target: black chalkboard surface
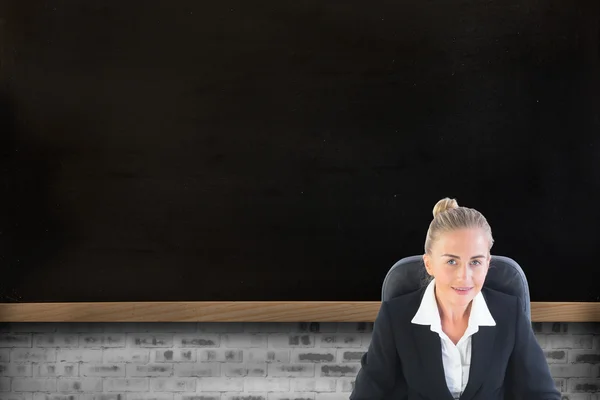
[291,150]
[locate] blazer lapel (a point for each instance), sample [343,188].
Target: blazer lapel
[429,348]
[482,346]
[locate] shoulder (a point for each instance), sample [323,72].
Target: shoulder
[495,297]
[502,306]
[404,307]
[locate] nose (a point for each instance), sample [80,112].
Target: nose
[464,273]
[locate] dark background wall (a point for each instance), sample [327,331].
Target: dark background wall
[290,150]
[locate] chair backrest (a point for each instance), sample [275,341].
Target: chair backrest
[504,275]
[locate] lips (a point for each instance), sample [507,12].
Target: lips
[462,291]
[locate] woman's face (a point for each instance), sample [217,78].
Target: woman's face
[459,262]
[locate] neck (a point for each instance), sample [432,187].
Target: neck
[453,314]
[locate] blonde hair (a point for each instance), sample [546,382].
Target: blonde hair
[448,216]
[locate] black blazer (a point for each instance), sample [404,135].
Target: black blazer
[404,360]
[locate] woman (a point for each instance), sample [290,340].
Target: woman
[454,339]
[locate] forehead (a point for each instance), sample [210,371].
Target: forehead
[467,242]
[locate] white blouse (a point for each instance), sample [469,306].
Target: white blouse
[456,358]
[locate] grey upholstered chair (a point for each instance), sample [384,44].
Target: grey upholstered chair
[504,275]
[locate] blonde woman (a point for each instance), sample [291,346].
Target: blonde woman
[454,339]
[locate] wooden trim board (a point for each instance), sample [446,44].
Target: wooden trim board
[248,311]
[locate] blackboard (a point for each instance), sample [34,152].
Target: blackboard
[291,150]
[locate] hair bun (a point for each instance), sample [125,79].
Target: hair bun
[444,204]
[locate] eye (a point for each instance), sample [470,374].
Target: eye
[451,261]
[477,262]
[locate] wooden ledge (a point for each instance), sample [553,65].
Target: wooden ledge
[248,311]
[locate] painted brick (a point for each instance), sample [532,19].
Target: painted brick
[584,328]
[149,370]
[101,396]
[290,396]
[32,355]
[245,340]
[29,327]
[79,355]
[240,370]
[126,385]
[46,396]
[176,355]
[350,355]
[333,370]
[4,384]
[121,327]
[33,385]
[244,396]
[345,384]
[577,385]
[16,396]
[102,370]
[570,341]
[49,370]
[55,340]
[268,327]
[317,327]
[340,340]
[80,384]
[198,396]
[173,385]
[144,340]
[261,355]
[220,385]
[572,350]
[197,369]
[291,340]
[542,340]
[355,327]
[220,355]
[314,385]
[313,356]
[365,340]
[197,340]
[575,396]
[559,327]
[291,370]
[571,370]
[266,385]
[584,356]
[102,340]
[80,327]
[13,340]
[556,356]
[11,370]
[149,396]
[126,355]
[221,327]
[561,384]
[165,327]
[331,396]
[549,327]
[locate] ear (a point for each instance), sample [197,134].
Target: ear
[427,262]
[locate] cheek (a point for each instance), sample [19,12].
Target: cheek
[479,275]
[444,275]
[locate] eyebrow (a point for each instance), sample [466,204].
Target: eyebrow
[453,256]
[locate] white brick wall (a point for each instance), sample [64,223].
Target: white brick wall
[230,361]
